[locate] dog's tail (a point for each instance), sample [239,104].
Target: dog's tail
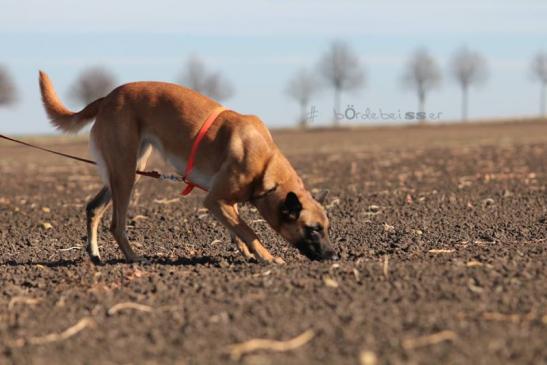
[59,115]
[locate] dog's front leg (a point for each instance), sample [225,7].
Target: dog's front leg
[241,246]
[227,214]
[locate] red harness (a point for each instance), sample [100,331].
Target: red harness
[193,152]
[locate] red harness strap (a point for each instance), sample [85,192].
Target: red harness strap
[193,152]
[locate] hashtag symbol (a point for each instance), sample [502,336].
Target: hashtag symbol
[313,113]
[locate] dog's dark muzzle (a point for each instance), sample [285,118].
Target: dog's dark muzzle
[316,250]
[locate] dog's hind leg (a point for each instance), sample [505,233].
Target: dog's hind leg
[118,141]
[121,193]
[98,205]
[122,164]
[94,211]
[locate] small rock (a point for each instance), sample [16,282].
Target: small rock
[330,282]
[221,317]
[223,264]
[368,358]
[373,208]
[334,202]
[46,225]
[357,275]
[388,228]
[409,199]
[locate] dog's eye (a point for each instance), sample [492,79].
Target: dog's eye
[314,228]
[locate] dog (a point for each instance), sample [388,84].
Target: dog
[237,162]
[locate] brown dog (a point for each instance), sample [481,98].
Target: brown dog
[237,162]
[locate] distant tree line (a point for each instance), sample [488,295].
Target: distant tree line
[339,69]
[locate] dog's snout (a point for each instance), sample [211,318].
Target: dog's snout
[315,250]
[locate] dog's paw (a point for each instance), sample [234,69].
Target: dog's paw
[278,260]
[95,259]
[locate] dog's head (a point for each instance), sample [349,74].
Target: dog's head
[304,223]
[291,210]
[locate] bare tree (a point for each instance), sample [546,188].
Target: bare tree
[539,72]
[7,88]
[302,86]
[468,68]
[92,84]
[217,87]
[422,74]
[213,84]
[195,74]
[342,70]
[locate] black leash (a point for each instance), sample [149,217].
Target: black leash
[153,174]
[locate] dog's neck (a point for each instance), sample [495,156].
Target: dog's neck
[278,179]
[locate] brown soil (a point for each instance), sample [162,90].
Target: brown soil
[441,230]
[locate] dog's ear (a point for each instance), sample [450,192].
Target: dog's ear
[322,196]
[291,207]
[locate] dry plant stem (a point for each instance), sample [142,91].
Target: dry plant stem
[238,350]
[56,337]
[166,201]
[433,339]
[22,300]
[129,305]
[440,251]
[70,248]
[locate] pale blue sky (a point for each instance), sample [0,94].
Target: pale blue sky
[259,44]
